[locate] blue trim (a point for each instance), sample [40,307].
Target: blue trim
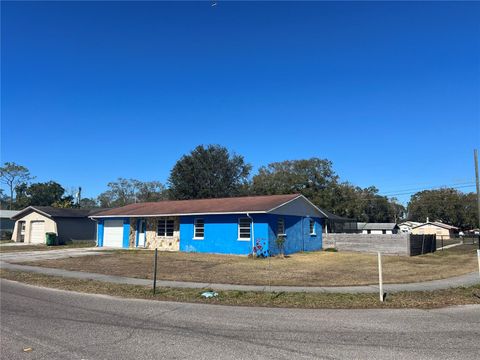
[126,232]
[100,233]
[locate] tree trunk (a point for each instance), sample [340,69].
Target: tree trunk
[11,196]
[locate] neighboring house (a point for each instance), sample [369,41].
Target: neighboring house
[407,226]
[377,228]
[33,222]
[473,232]
[443,231]
[6,223]
[234,225]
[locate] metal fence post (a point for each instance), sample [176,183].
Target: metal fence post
[155,271]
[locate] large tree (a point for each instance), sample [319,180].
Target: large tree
[128,191]
[12,175]
[42,194]
[316,179]
[88,203]
[447,205]
[150,191]
[209,172]
[313,177]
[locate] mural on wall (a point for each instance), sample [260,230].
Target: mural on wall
[261,248]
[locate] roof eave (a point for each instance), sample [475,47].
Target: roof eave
[176,214]
[295,198]
[32,208]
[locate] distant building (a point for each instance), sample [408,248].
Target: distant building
[377,228]
[6,223]
[407,226]
[443,231]
[33,222]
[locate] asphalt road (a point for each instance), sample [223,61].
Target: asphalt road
[63,325]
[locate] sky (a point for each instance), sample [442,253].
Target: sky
[388,91]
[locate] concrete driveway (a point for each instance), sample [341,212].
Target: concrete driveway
[64,325]
[23,256]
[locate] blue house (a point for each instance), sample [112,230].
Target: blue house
[237,225]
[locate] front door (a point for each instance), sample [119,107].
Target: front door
[141,233]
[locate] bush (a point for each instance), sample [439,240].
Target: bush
[281,244]
[331,250]
[6,235]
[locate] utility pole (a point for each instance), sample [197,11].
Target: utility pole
[475,155]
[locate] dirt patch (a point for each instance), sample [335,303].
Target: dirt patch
[304,269]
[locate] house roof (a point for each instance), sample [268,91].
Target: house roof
[334,217]
[439,224]
[8,214]
[53,212]
[232,205]
[410,223]
[377,226]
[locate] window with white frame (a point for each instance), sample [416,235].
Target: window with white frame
[312,227]
[165,227]
[281,226]
[198,229]
[244,228]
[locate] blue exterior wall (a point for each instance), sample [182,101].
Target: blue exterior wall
[221,234]
[297,230]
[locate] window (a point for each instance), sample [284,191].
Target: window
[312,227]
[198,229]
[165,227]
[244,228]
[281,226]
[384,231]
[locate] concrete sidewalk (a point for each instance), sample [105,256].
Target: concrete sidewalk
[457,281]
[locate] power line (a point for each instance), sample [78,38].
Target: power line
[423,189]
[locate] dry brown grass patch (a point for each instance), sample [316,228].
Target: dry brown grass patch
[423,300]
[304,269]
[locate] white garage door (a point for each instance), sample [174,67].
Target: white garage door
[113,233]
[37,232]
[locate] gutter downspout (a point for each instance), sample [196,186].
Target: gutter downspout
[253,236]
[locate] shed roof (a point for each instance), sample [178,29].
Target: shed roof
[53,212]
[379,226]
[333,217]
[437,223]
[232,205]
[8,214]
